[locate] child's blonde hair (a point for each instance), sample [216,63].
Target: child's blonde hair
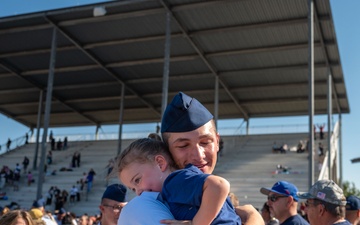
[142,151]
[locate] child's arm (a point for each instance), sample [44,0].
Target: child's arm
[215,191]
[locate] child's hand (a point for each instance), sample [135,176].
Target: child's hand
[175,222]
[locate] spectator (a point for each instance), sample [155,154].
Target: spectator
[275,148]
[353,209]
[26,138]
[51,136]
[29,178]
[83,219]
[25,163]
[112,202]
[59,216]
[53,144]
[283,203]
[325,203]
[65,143]
[8,144]
[187,191]
[38,214]
[59,145]
[321,130]
[320,149]
[266,215]
[73,193]
[300,147]
[17,217]
[49,158]
[49,195]
[90,179]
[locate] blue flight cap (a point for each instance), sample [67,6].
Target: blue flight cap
[184,114]
[115,192]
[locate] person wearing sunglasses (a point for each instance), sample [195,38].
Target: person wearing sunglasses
[325,204]
[112,202]
[283,203]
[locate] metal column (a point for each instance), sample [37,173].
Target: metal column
[47,112]
[329,123]
[216,103]
[311,89]
[121,117]
[38,130]
[166,64]
[340,151]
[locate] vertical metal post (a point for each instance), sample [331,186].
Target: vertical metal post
[340,151]
[216,103]
[311,89]
[329,124]
[121,116]
[47,112]
[166,64]
[247,126]
[38,130]
[97,131]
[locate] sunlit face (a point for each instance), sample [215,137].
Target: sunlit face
[198,147]
[312,210]
[141,177]
[110,210]
[278,206]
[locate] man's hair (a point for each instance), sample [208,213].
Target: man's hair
[142,151]
[334,210]
[166,135]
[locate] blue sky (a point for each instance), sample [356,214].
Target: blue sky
[346,19]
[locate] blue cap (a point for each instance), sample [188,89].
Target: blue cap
[352,203]
[282,188]
[115,192]
[184,114]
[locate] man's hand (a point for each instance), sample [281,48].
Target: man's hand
[249,215]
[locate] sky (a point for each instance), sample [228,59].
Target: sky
[346,19]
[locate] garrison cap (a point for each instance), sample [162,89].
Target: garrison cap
[184,114]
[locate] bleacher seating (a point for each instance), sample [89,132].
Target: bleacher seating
[247,162]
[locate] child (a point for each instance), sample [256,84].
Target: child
[146,165]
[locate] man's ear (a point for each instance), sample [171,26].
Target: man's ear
[162,163]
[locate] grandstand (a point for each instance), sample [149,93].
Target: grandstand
[247,162]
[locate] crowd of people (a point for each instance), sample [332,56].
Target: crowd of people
[173,180]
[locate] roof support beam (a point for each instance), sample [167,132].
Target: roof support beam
[101,65]
[324,49]
[16,72]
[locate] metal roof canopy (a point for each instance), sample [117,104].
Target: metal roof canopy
[257,49]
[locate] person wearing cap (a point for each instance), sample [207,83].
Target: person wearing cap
[37,210]
[146,166]
[189,131]
[36,216]
[325,203]
[60,214]
[112,202]
[283,203]
[353,209]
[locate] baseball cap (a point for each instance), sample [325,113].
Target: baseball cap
[325,190]
[282,188]
[352,203]
[36,213]
[184,114]
[116,192]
